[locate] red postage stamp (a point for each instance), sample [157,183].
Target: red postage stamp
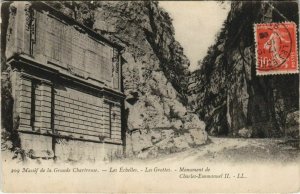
[276,48]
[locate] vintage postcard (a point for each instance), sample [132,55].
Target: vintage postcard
[150,96]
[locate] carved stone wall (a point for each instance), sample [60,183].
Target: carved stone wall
[66,86]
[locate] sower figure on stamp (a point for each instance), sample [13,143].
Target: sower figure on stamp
[274,44]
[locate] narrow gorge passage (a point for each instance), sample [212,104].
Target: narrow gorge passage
[254,117]
[226,91]
[150,96]
[177,84]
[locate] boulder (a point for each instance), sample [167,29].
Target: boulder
[244,132]
[139,140]
[188,138]
[177,124]
[192,121]
[165,145]
[181,142]
[199,136]
[155,136]
[292,119]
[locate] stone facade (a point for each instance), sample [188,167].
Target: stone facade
[66,85]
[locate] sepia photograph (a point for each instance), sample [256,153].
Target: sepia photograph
[150,96]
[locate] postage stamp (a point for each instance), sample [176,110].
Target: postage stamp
[276,48]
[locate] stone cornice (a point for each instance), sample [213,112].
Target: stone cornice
[22,62]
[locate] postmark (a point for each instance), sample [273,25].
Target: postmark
[276,48]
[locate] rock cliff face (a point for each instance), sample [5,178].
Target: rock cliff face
[227,93]
[154,74]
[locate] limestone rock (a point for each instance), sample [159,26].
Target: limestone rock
[103,26]
[292,119]
[155,136]
[246,133]
[166,108]
[199,136]
[177,110]
[165,145]
[155,73]
[171,92]
[177,124]
[188,138]
[140,140]
[192,121]
[135,118]
[167,134]
[181,142]
[226,92]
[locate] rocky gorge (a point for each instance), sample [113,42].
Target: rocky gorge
[154,72]
[226,92]
[154,78]
[168,108]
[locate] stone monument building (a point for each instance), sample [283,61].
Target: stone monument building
[66,85]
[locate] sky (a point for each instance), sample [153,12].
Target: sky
[196,24]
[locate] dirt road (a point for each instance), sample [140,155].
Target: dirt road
[236,150]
